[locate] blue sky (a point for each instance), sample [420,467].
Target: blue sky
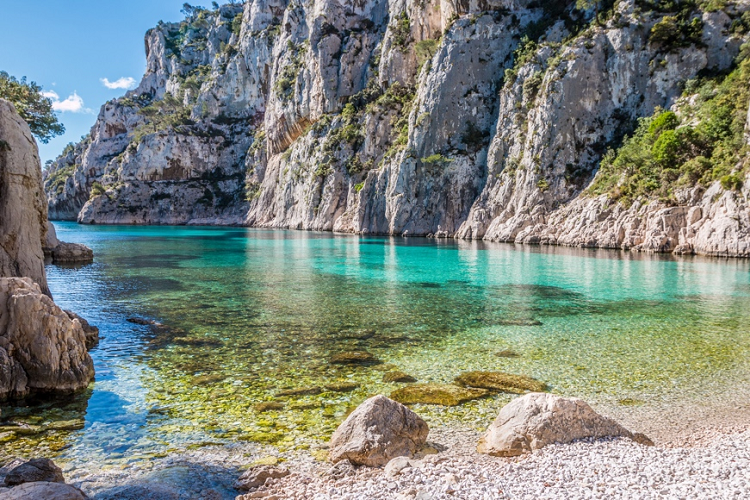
[68,47]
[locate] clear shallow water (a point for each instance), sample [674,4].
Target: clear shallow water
[248,313]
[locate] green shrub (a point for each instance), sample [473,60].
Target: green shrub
[662,154]
[97,189]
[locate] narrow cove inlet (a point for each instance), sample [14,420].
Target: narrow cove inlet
[226,337]
[375,250]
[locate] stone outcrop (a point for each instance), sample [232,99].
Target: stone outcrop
[536,420]
[257,476]
[23,205]
[403,117]
[65,253]
[377,431]
[42,490]
[42,350]
[35,470]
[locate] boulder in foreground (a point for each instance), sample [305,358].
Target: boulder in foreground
[41,349]
[535,420]
[377,431]
[42,491]
[35,470]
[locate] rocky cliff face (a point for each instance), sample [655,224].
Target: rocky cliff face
[23,207]
[42,348]
[474,119]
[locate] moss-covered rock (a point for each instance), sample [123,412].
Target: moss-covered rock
[499,381]
[300,391]
[268,406]
[507,353]
[398,377]
[341,386]
[437,394]
[355,358]
[520,322]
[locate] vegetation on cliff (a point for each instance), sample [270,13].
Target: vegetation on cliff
[32,106]
[700,142]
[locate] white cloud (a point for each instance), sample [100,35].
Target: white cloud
[73,103]
[126,83]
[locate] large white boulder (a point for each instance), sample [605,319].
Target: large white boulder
[535,420]
[377,431]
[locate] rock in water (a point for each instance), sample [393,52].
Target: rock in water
[499,381]
[377,431]
[437,394]
[535,420]
[398,377]
[355,358]
[72,253]
[65,253]
[35,470]
[43,491]
[257,476]
[23,204]
[41,348]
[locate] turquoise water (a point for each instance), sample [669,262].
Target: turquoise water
[249,313]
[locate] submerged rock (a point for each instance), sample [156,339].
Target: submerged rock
[141,321]
[507,353]
[499,381]
[301,391]
[268,406]
[437,394]
[41,348]
[257,476]
[533,421]
[398,377]
[377,431]
[35,470]
[355,358]
[342,386]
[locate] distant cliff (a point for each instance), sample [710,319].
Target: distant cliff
[473,119]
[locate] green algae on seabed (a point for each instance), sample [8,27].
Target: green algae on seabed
[253,313]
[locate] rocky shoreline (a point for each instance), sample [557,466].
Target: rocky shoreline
[707,457]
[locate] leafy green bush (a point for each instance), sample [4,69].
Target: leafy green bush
[32,106]
[97,189]
[663,154]
[401,31]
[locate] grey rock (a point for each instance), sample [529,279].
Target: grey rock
[23,207]
[42,490]
[41,348]
[377,431]
[536,420]
[35,470]
[257,476]
[91,331]
[72,253]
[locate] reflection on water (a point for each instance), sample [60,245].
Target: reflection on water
[247,314]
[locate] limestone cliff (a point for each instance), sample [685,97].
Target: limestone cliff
[474,119]
[42,348]
[23,207]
